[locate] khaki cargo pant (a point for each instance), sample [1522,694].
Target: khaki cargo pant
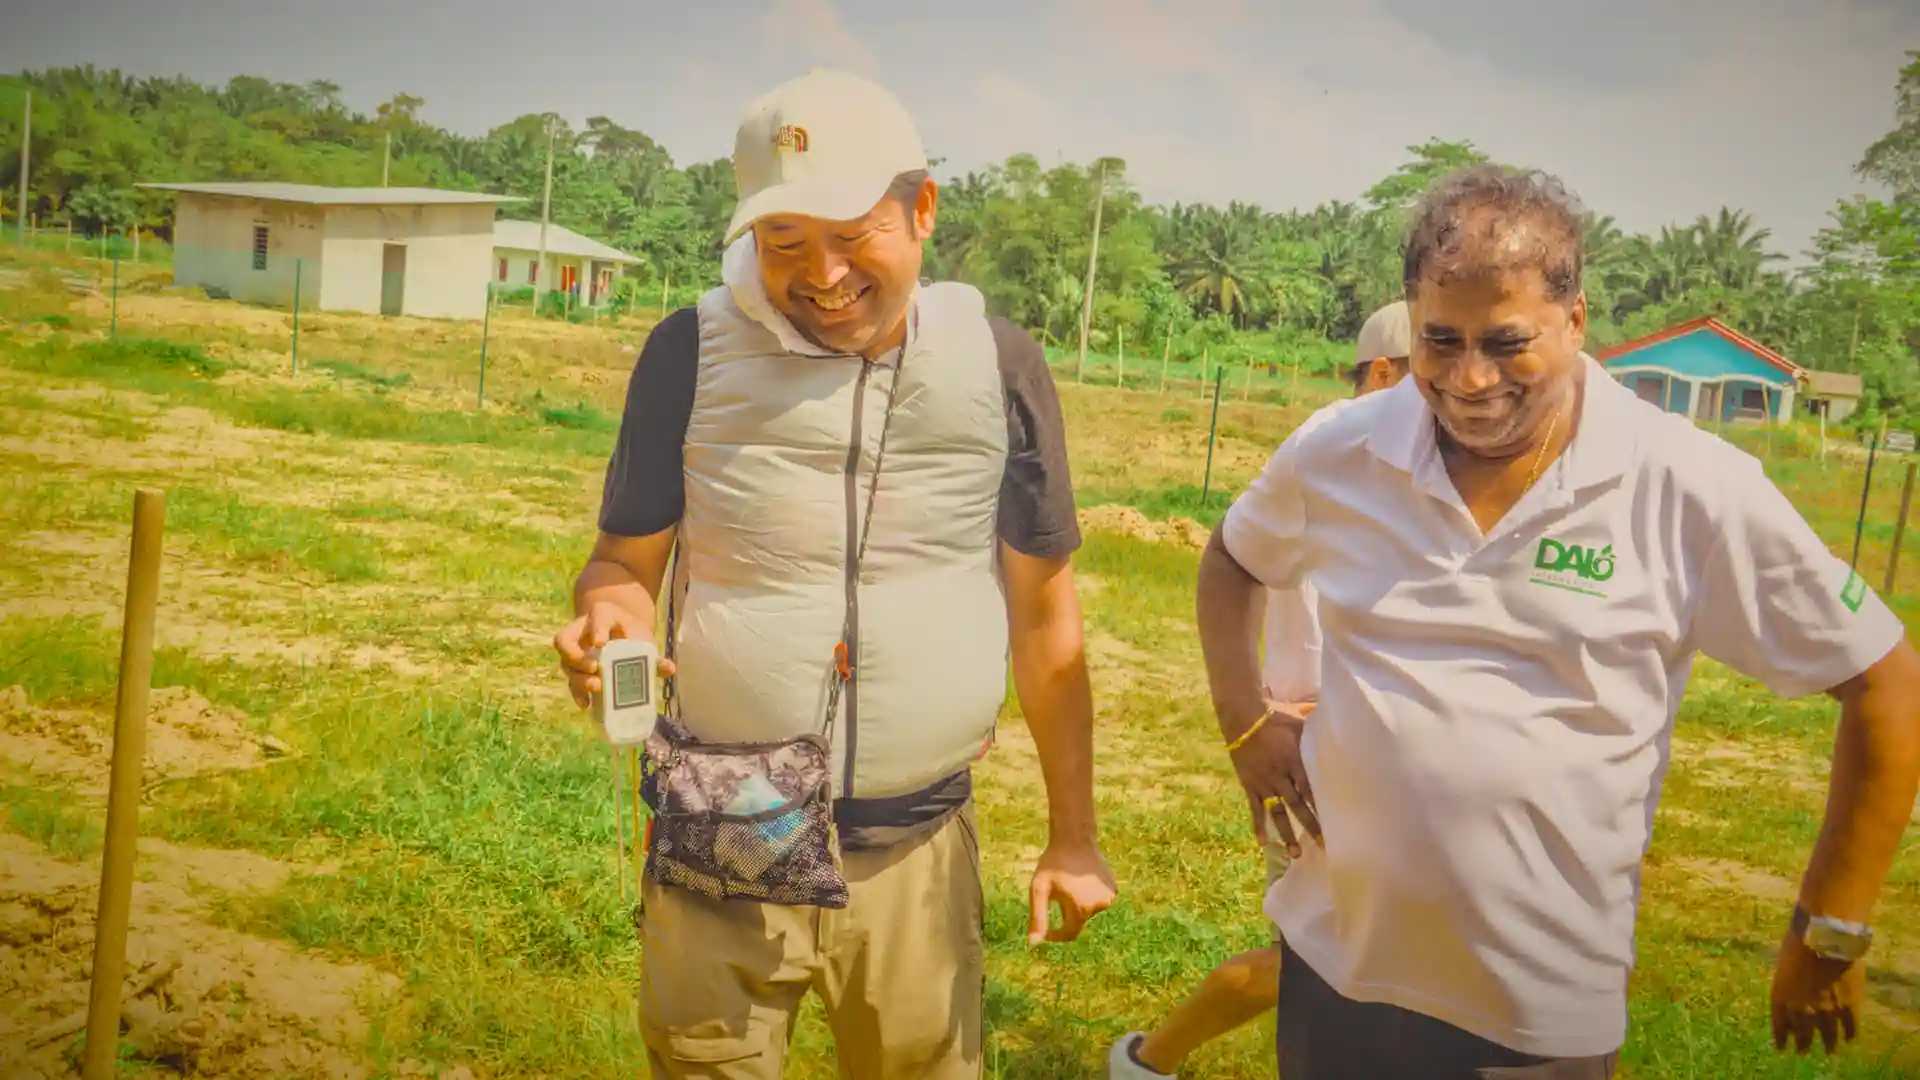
[900,970]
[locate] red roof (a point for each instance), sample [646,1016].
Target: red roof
[1705,322]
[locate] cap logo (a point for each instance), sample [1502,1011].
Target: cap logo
[791,137]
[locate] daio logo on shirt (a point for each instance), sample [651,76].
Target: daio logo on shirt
[1560,565]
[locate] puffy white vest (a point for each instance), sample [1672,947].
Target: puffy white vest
[766,539]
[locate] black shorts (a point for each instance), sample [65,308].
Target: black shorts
[1324,1036]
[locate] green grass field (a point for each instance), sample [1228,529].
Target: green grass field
[366,567]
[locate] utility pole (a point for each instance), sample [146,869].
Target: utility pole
[386,158]
[546,205]
[1093,261]
[26,157]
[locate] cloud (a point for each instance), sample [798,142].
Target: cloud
[813,33]
[1147,37]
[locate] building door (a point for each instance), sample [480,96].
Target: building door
[1652,390]
[1710,403]
[393,278]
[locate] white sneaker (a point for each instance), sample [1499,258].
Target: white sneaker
[1121,1064]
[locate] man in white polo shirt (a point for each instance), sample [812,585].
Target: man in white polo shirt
[1516,561]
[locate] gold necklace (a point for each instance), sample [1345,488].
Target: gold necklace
[1541,454]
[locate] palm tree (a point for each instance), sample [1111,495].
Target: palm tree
[1219,261]
[1658,271]
[712,194]
[1732,250]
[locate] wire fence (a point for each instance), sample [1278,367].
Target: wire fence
[109,266]
[113,265]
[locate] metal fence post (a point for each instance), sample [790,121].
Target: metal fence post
[1900,528]
[486,325]
[1865,486]
[1206,485]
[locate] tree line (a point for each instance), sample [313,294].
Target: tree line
[1239,280]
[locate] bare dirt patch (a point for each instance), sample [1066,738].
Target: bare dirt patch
[1128,521]
[1737,877]
[1726,763]
[198,600]
[211,1001]
[186,736]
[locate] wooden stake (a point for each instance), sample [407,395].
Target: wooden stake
[1093,261]
[1899,529]
[25,160]
[1206,361]
[1120,380]
[1246,388]
[123,786]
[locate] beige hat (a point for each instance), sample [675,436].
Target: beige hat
[1387,332]
[825,145]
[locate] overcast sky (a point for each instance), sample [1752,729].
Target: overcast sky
[1653,110]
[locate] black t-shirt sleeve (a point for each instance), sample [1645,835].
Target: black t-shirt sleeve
[1036,493]
[646,490]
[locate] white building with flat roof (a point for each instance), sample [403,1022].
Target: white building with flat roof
[575,264]
[389,251]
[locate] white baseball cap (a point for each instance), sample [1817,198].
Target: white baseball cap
[825,145]
[1387,332]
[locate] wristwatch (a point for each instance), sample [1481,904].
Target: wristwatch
[1831,939]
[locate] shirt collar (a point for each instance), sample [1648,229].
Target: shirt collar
[1607,439]
[740,270]
[1601,449]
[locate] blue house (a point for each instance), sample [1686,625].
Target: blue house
[1705,369]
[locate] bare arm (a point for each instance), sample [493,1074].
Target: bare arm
[1876,767]
[625,571]
[1228,608]
[1050,675]
[616,595]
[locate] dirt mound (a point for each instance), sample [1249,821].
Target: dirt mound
[186,736]
[1130,522]
[204,1000]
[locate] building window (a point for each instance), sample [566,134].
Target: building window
[1753,399]
[259,247]
[503,269]
[533,272]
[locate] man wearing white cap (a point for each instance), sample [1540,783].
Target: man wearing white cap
[866,479]
[1245,986]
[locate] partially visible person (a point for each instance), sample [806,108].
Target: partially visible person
[1245,986]
[1517,561]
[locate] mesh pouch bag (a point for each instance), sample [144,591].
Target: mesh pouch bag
[752,821]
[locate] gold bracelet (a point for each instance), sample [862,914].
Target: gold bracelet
[1240,740]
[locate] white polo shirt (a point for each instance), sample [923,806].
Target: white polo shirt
[1291,670]
[1494,710]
